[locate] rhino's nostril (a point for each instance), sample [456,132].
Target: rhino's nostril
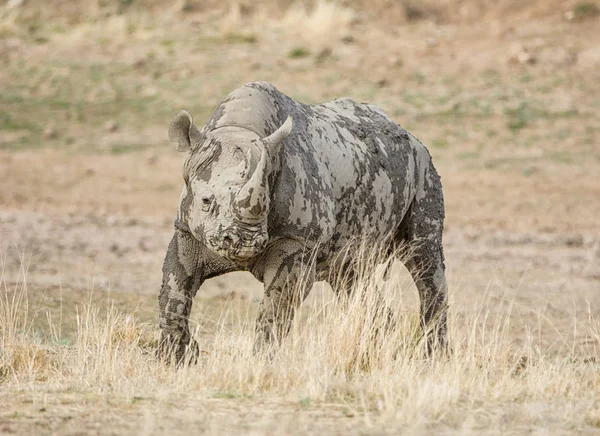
[260,243]
[227,241]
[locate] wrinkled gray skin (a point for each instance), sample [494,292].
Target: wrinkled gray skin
[270,181]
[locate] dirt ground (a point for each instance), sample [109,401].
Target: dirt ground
[509,108]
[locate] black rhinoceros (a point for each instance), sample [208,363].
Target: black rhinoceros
[272,184]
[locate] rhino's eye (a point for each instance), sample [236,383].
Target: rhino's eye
[206,203]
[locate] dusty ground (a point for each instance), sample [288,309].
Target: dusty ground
[510,110]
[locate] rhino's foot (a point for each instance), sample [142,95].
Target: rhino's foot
[265,344]
[437,346]
[172,349]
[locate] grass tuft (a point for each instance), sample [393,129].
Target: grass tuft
[298,52]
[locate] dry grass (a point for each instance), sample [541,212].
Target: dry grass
[390,11]
[317,26]
[336,357]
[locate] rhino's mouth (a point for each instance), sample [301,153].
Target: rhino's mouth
[243,253]
[239,253]
[234,248]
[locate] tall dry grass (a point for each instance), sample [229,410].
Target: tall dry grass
[343,351]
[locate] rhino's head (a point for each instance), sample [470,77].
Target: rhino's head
[225,198]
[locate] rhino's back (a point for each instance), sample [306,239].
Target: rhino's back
[367,164]
[347,169]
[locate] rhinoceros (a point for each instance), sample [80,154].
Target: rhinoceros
[277,188]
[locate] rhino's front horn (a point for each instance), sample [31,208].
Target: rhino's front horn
[251,203]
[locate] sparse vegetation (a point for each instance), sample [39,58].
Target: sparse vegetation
[332,360]
[298,52]
[525,114]
[585,10]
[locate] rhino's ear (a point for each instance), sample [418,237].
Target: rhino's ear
[183,132]
[274,139]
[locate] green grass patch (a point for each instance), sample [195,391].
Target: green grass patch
[16,133]
[564,157]
[439,143]
[418,77]
[9,123]
[525,114]
[125,148]
[298,52]
[585,10]
[240,38]
[468,155]
[305,402]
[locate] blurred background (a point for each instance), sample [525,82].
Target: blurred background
[505,94]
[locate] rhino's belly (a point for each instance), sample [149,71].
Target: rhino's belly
[372,191]
[373,215]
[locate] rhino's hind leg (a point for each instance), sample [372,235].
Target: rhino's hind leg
[288,274]
[422,228]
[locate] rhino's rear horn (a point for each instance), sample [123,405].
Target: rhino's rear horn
[184,133]
[274,139]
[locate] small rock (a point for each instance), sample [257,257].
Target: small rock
[111,220]
[50,133]
[521,55]
[382,82]
[574,241]
[396,61]
[183,6]
[348,39]
[525,57]
[15,3]
[131,222]
[111,126]
[139,63]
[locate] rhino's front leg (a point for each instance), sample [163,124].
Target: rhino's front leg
[187,264]
[288,275]
[181,279]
